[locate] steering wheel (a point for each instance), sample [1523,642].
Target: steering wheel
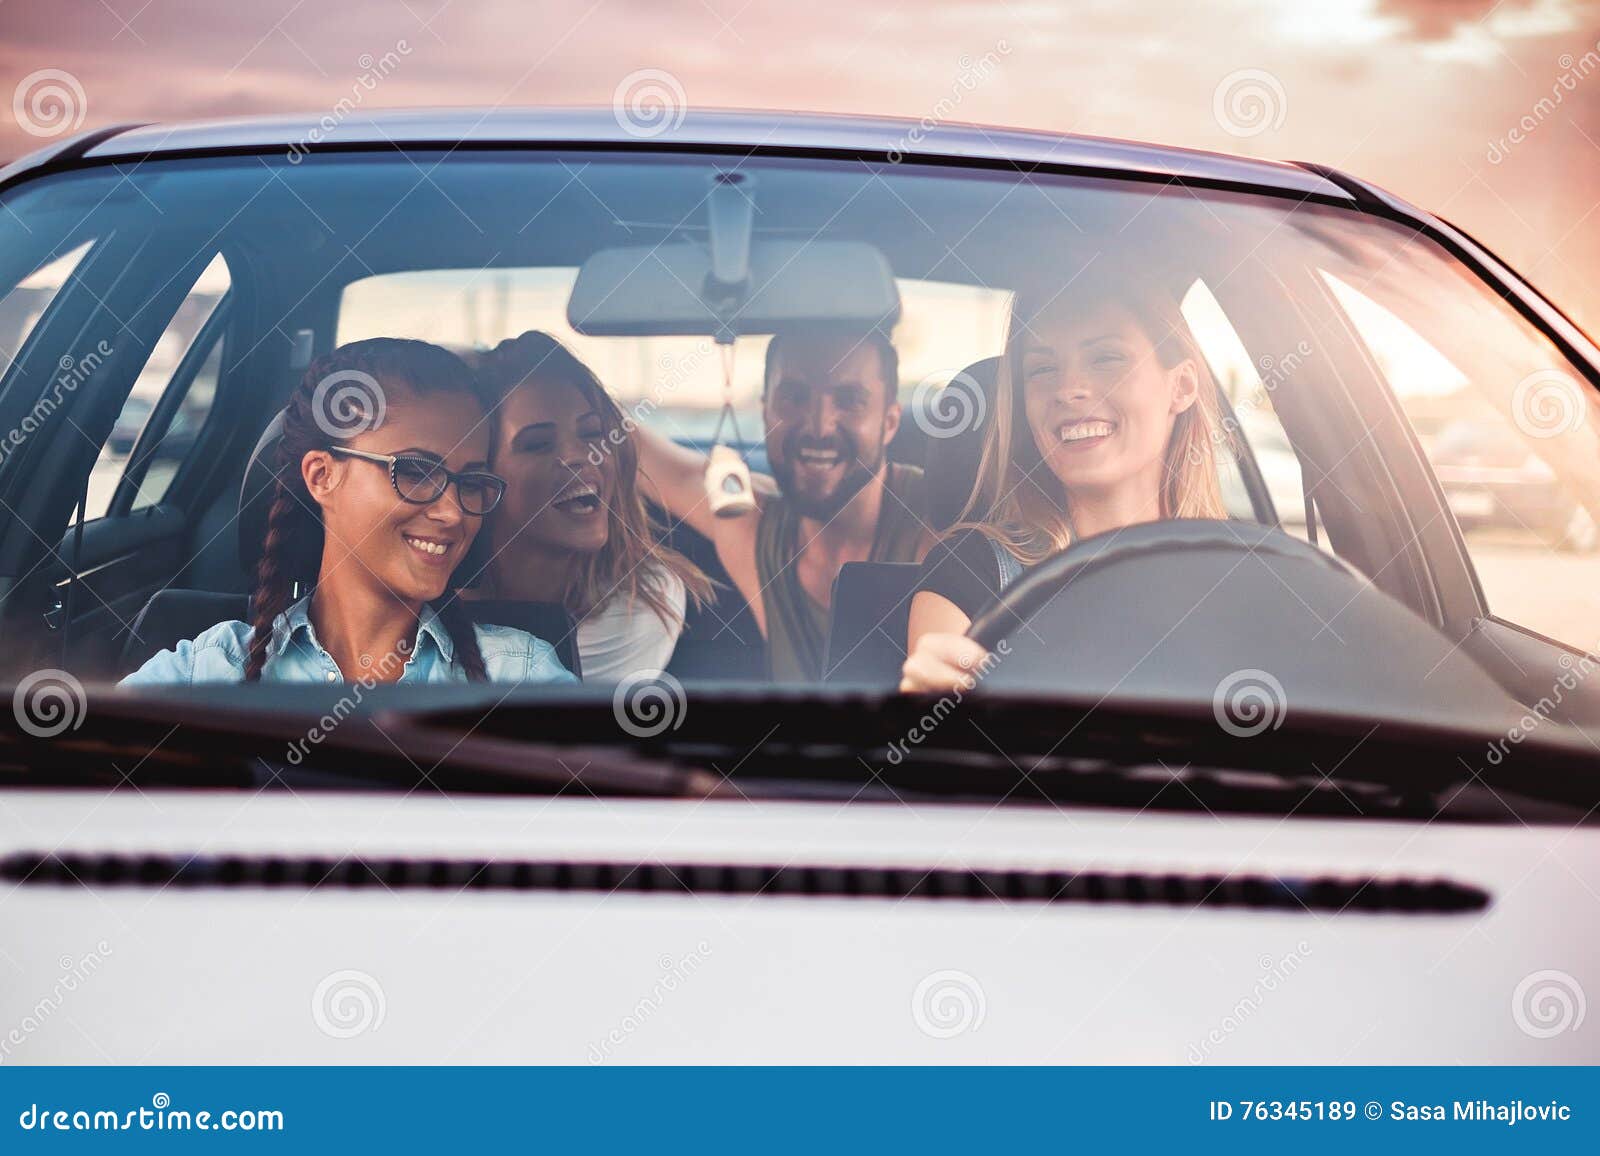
[1201,609]
[1144,542]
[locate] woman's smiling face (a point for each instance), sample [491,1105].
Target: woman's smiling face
[408,551]
[1099,403]
[550,446]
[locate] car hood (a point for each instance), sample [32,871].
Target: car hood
[212,969]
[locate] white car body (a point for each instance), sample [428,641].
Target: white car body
[332,975]
[204,971]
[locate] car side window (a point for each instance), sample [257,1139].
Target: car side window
[1248,385]
[24,305]
[1510,430]
[161,419]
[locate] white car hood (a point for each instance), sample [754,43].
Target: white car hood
[179,974]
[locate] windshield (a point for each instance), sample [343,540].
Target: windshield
[623,425]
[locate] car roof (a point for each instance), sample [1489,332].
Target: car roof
[721,129]
[777,132]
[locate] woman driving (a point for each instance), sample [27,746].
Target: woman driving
[382,484]
[1105,416]
[573,528]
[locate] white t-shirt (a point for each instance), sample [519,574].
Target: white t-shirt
[625,635]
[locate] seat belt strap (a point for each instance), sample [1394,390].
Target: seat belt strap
[1010,568]
[74,568]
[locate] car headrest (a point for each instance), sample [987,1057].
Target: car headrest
[956,418]
[256,494]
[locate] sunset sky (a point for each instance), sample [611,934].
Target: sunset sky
[1422,97]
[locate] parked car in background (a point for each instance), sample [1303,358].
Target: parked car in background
[1491,480]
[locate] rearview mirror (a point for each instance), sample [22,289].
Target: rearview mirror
[646,291]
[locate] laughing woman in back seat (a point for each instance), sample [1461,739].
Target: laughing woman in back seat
[382,484]
[573,528]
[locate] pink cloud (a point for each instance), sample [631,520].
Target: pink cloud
[1369,90]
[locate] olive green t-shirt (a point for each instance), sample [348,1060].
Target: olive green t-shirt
[797,627]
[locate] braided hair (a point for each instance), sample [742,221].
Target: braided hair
[292,549]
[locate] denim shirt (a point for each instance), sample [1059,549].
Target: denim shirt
[220,654]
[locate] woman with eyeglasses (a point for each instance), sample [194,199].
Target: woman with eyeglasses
[382,485]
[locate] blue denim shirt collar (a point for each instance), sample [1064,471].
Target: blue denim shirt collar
[296,622]
[221,653]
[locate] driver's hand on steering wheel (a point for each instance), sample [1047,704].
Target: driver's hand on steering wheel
[941,663]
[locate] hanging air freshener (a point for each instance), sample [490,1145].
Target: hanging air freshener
[731,216]
[727,476]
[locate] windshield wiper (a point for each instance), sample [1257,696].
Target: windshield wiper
[788,742]
[1049,747]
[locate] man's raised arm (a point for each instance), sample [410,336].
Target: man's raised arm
[674,478]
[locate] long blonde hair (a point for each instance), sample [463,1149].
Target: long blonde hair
[1018,501]
[621,567]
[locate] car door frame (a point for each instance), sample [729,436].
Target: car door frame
[1527,664]
[43,482]
[212,336]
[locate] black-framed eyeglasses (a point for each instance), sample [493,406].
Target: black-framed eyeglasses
[422,481]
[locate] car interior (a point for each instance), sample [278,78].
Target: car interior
[146,565]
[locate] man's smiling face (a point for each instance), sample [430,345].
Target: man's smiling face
[830,415]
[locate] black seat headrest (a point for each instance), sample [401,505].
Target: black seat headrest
[867,630]
[173,615]
[957,417]
[256,494]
